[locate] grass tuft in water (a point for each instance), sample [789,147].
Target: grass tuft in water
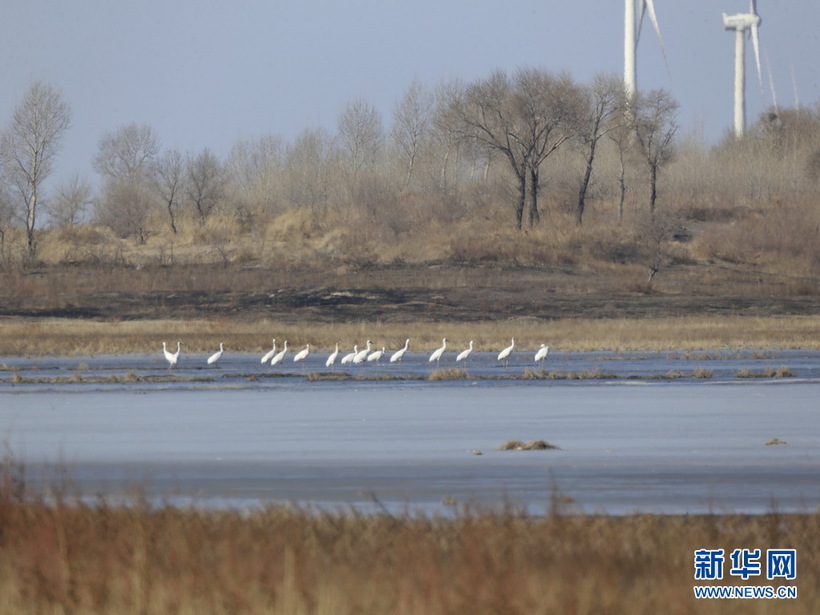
[534,445]
[449,373]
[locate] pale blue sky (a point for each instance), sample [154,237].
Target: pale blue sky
[206,73]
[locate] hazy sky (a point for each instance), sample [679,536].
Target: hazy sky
[205,73]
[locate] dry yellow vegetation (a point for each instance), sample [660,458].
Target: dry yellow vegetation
[71,337]
[68,557]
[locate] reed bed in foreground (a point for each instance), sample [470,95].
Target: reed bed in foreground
[64,556]
[19,337]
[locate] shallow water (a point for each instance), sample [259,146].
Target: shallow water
[249,437]
[140,372]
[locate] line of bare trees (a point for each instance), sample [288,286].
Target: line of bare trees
[531,130]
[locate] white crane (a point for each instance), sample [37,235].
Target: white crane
[348,358]
[216,356]
[302,354]
[462,356]
[542,353]
[396,356]
[269,355]
[332,358]
[362,354]
[740,23]
[632,35]
[278,358]
[375,356]
[504,355]
[171,357]
[436,356]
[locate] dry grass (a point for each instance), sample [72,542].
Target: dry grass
[769,372]
[533,445]
[587,374]
[449,373]
[130,377]
[68,557]
[777,235]
[41,337]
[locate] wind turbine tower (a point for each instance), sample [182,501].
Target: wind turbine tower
[740,23]
[632,33]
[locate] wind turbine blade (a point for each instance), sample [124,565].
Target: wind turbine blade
[756,43]
[649,6]
[771,80]
[794,87]
[640,22]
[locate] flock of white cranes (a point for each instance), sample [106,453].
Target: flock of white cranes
[366,355]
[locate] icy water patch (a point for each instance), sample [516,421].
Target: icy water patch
[624,445]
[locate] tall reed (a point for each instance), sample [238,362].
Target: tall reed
[69,556]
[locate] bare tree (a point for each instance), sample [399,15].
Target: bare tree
[446,135]
[655,125]
[125,207]
[126,160]
[655,234]
[481,112]
[306,167]
[621,135]
[29,145]
[360,134]
[170,178]
[205,182]
[812,168]
[550,113]
[604,113]
[412,119]
[525,119]
[254,171]
[127,152]
[6,216]
[70,201]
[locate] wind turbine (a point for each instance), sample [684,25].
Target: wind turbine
[632,33]
[740,23]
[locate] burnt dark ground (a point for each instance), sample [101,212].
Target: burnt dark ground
[394,294]
[341,305]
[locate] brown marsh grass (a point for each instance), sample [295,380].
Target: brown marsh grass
[769,372]
[533,445]
[449,373]
[66,556]
[73,337]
